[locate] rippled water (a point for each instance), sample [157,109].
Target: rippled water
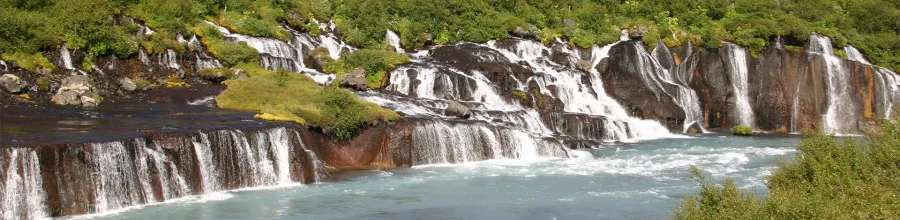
[632,181]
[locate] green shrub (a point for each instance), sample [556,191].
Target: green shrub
[284,96]
[377,64]
[43,83]
[829,178]
[742,130]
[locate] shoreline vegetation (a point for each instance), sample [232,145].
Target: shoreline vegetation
[829,178]
[107,27]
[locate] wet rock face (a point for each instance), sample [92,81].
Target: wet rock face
[355,79]
[78,91]
[622,80]
[12,83]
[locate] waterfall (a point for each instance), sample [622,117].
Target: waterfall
[65,57]
[795,110]
[143,57]
[275,54]
[442,142]
[738,72]
[208,171]
[854,55]
[23,196]
[5,67]
[120,177]
[393,40]
[121,174]
[842,113]
[662,83]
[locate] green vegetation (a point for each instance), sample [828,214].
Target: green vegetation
[742,130]
[283,96]
[106,28]
[829,178]
[377,64]
[229,53]
[43,83]
[31,62]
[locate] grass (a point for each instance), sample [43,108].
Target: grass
[284,96]
[829,178]
[377,64]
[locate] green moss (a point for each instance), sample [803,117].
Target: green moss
[377,64]
[523,96]
[140,83]
[742,130]
[30,62]
[175,82]
[43,83]
[285,96]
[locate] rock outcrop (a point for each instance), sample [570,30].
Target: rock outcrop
[78,91]
[355,79]
[458,110]
[12,83]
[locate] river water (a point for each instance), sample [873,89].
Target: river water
[644,180]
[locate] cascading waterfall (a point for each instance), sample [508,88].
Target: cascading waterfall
[122,174]
[275,54]
[842,112]
[5,67]
[738,73]
[23,196]
[440,142]
[65,57]
[854,55]
[887,82]
[660,81]
[393,40]
[795,113]
[888,88]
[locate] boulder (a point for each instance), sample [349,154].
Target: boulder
[458,110]
[526,32]
[77,90]
[12,83]
[355,79]
[240,74]
[216,75]
[127,84]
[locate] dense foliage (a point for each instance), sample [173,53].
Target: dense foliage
[283,96]
[102,27]
[853,178]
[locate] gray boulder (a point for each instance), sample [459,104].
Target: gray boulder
[127,84]
[12,83]
[458,110]
[355,79]
[240,74]
[77,90]
[638,30]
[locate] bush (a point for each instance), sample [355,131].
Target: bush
[292,97]
[377,64]
[829,178]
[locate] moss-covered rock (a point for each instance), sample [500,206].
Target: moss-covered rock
[742,130]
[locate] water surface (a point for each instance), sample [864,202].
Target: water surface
[643,180]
